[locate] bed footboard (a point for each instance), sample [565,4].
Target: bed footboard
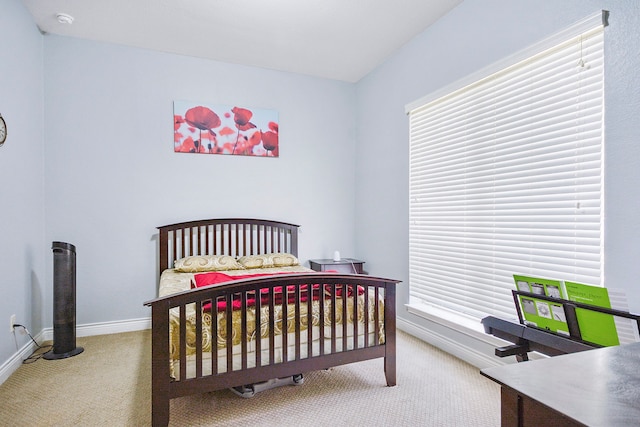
[283,326]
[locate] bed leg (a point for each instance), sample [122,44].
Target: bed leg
[390,338]
[390,370]
[160,411]
[160,365]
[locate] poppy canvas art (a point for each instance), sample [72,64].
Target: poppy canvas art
[224,129]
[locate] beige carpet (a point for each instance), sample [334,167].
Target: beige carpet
[109,385]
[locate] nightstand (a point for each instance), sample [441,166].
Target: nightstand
[345,265]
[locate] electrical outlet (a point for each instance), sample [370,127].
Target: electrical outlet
[12,321]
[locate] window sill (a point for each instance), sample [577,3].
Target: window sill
[467,339]
[455,321]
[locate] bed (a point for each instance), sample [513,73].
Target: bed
[236,307]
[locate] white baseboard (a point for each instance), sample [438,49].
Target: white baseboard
[104,328]
[86,330]
[14,362]
[471,355]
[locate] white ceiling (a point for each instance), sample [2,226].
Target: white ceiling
[335,39]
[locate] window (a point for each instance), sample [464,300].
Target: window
[506,177]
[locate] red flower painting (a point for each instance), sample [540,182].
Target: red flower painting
[207,129]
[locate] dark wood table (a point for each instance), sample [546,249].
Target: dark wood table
[598,387]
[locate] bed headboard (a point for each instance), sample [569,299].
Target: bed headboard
[228,236]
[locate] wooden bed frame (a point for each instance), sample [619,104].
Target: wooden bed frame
[238,237]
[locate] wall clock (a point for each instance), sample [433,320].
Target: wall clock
[3,130]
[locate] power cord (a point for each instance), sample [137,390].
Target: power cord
[38,352]
[353,265]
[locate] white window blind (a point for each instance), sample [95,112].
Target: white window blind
[506,178]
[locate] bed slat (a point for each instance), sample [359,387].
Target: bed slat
[366,313]
[198,342]
[285,324]
[296,295]
[183,342]
[243,329]
[229,317]
[272,326]
[310,321]
[256,291]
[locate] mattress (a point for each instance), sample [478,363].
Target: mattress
[172,282]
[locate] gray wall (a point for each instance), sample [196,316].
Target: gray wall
[112,176]
[474,35]
[22,276]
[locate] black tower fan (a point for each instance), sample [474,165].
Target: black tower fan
[64,302]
